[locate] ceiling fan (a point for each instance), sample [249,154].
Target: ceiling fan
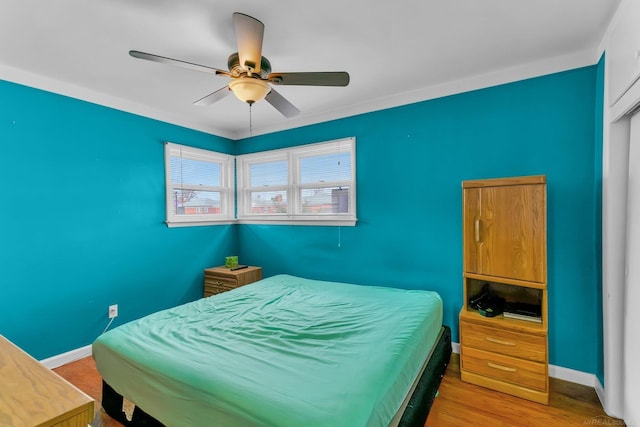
[250,73]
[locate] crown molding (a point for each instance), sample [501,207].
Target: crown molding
[507,75]
[494,78]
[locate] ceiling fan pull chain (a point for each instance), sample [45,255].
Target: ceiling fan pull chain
[250,121]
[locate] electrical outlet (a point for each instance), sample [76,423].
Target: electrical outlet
[113,311]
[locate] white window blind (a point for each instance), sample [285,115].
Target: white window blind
[268,184]
[199,187]
[305,184]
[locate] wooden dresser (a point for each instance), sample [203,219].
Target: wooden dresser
[222,279]
[505,255]
[32,395]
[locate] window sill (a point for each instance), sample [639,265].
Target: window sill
[284,220]
[342,222]
[175,224]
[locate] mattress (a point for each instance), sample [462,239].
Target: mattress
[283,351]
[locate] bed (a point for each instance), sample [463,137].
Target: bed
[283,351]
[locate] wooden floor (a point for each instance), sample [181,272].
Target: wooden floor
[84,375]
[458,404]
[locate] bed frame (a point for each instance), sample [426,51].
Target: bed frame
[415,413]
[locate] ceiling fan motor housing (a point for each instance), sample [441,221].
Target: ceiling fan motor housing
[236,70]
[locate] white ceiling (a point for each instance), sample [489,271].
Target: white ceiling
[396,52]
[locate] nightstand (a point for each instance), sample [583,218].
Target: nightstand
[222,279]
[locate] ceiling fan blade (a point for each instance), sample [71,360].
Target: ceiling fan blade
[249,35]
[213,97]
[280,103]
[179,63]
[329,78]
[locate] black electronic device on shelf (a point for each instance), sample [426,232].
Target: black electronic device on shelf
[487,304]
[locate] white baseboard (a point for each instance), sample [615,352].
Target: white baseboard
[566,374]
[600,392]
[572,375]
[68,357]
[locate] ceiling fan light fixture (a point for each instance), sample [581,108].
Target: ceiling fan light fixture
[249,89]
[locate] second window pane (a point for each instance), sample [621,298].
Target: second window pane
[268,202]
[325,200]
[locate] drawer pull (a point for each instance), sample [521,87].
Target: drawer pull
[502,342]
[502,368]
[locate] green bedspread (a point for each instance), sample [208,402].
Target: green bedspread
[284,351]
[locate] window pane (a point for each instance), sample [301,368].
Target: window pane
[326,168]
[325,200]
[191,202]
[195,172]
[266,202]
[265,174]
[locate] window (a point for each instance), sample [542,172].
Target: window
[199,187]
[312,184]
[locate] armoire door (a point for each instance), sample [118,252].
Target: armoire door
[507,226]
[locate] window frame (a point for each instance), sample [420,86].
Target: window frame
[226,188]
[294,186]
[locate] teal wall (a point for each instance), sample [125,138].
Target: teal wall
[81,220]
[82,215]
[410,164]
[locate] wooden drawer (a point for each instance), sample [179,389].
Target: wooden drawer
[216,285]
[523,373]
[521,345]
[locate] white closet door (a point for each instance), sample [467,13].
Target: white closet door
[632,297]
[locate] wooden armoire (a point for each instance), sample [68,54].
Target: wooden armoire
[505,254]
